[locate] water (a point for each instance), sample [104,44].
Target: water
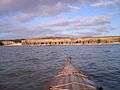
[31,67]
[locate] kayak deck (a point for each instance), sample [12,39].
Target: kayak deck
[70,78]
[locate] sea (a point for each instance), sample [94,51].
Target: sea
[32,67]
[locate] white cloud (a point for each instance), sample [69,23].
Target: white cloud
[29,9]
[77,23]
[62,26]
[106,3]
[19,12]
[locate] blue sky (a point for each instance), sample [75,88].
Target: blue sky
[59,18]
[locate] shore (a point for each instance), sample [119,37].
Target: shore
[57,41]
[63,44]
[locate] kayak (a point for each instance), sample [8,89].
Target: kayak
[70,78]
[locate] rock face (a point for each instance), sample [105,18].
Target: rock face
[72,41]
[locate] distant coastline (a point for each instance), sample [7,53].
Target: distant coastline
[62,41]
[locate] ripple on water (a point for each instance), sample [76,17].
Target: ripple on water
[31,67]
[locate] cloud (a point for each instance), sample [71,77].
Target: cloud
[60,26]
[14,14]
[107,3]
[22,17]
[80,26]
[36,7]
[77,23]
[77,35]
[23,10]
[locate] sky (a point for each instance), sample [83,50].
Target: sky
[59,18]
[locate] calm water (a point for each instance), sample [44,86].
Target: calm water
[30,68]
